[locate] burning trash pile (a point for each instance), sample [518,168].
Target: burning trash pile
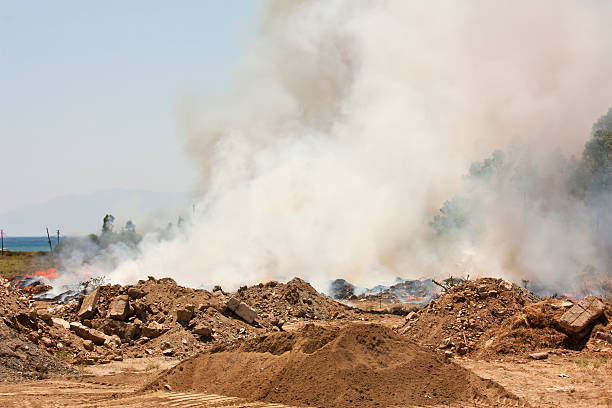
[490,317]
[157,317]
[418,291]
[400,298]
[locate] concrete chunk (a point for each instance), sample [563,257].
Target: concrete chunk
[86,333]
[119,308]
[57,322]
[89,305]
[241,309]
[233,303]
[246,313]
[577,319]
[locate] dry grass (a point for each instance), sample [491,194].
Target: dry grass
[17,263]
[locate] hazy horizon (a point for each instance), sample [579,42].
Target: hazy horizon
[89,92]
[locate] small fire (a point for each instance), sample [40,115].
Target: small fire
[27,281]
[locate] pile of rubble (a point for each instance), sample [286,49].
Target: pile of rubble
[489,317]
[157,317]
[21,358]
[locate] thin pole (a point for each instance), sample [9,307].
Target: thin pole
[2,238]
[49,239]
[58,236]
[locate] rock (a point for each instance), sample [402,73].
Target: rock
[577,319]
[217,288]
[125,331]
[168,352]
[88,334]
[88,345]
[136,293]
[606,336]
[153,329]
[46,341]
[112,341]
[539,356]
[446,343]
[233,303]
[57,322]
[119,308]
[89,305]
[44,315]
[202,330]
[241,310]
[183,315]
[167,387]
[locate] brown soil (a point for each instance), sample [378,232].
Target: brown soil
[359,365]
[462,319]
[21,358]
[488,318]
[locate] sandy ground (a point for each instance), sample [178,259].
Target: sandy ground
[560,381]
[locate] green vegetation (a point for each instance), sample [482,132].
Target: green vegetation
[62,355]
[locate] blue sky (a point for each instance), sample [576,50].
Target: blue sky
[88,89]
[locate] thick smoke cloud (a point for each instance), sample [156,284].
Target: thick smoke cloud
[349,123]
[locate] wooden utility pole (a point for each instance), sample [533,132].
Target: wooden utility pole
[49,239]
[2,239]
[58,236]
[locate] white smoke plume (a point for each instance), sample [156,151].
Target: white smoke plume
[349,123]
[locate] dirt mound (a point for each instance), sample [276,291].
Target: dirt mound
[461,318]
[20,357]
[295,299]
[358,365]
[533,328]
[489,317]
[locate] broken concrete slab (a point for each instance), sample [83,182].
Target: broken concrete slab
[119,308]
[241,309]
[86,333]
[125,331]
[246,313]
[577,319]
[89,305]
[233,303]
[57,322]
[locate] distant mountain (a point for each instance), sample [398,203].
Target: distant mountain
[79,214]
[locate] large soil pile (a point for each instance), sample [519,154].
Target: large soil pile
[21,358]
[358,365]
[461,319]
[490,317]
[294,300]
